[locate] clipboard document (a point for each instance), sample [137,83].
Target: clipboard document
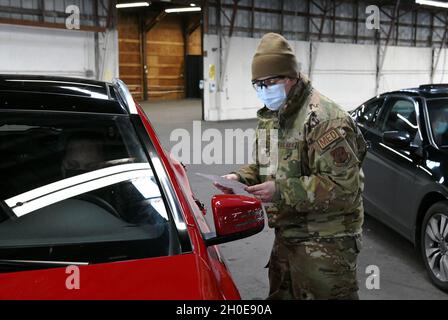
[236,186]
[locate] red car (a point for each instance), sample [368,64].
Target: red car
[91,206]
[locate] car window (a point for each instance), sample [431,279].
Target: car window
[399,115]
[368,112]
[438,116]
[78,188]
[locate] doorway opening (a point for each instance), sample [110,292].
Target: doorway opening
[161,54]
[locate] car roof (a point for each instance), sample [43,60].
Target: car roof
[51,93]
[427,91]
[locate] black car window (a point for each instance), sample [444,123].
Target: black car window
[78,188]
[438,116]
[368,112]
[399,115]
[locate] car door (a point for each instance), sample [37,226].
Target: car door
[390,171]
[366,116]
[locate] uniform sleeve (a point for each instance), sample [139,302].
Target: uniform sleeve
[250,174]
[335,152]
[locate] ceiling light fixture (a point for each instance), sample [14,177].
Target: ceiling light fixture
[132,5]
[432,3]
[191,9]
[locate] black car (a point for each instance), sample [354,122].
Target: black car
[406,169]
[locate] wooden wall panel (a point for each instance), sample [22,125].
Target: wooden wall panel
[165,50]
[195,43]
[129,53]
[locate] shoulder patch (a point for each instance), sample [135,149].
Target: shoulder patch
[313,119]
[340,156]
[328,138]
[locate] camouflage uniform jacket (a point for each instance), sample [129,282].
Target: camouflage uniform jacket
[318,174]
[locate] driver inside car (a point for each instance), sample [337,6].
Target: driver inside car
[87,152]
[440,128]
[83,153]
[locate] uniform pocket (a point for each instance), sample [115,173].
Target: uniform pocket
[349,248]
[289,163]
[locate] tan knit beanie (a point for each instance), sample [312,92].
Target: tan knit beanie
[274,57]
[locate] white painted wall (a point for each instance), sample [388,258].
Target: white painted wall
[441,72]
[109,54]
[345,73]
[406,67]
[32,50]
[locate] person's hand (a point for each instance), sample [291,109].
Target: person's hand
[223,189]
[265,191]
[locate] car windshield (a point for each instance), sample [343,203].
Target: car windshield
[438,116]
[78,188]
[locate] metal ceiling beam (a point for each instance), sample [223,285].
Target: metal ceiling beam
[41,4]
[234,13]
[308,19]
[252,19]
[381,56]
[111,14]
[414,29]
[153,22]
[282,16]
[431,31]
[313,21]
[45,13]
[322,20]
[436,54]
[316,16]
[192,27]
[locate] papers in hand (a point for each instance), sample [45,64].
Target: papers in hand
[236,186]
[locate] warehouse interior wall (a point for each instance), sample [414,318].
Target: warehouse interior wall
[343,72]
[108,55]
[59,52]
[169,64]
[166,61]
[130,54]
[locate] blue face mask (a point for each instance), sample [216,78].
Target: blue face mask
[274,97]
[441,128]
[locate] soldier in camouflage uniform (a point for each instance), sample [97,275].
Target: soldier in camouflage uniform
[315,194]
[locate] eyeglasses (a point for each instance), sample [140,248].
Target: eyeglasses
[260,84]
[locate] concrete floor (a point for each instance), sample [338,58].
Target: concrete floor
[402,274]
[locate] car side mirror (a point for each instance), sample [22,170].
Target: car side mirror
[397,139]
[236,217]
